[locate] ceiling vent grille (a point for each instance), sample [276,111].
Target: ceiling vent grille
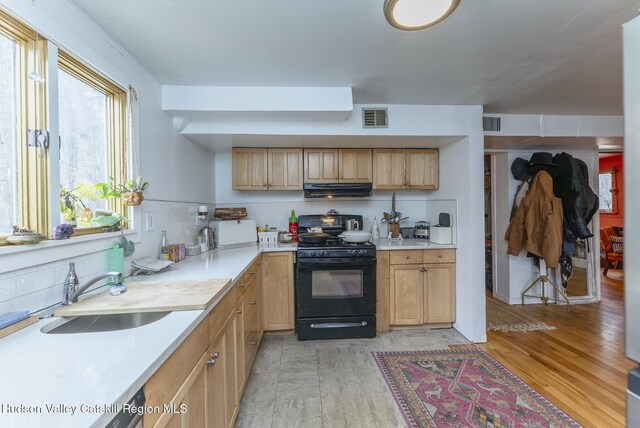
[491,123]
[375,118]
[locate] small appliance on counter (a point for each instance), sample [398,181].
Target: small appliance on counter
[235,233]
[421,230]
[442,233]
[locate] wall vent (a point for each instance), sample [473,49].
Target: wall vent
[375,118]
[491,123]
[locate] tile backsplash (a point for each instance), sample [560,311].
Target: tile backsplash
[40,286]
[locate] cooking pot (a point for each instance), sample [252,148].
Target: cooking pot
[356,236]
[313,238]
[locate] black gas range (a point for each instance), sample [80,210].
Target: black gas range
[335,283]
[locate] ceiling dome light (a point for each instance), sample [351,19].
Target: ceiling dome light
[411,15]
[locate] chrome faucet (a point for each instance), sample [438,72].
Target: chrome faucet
[71,291]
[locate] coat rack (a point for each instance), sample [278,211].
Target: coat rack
[543,279]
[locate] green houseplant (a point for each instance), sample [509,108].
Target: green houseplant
[130,192]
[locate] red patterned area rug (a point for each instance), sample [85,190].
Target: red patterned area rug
[464,388]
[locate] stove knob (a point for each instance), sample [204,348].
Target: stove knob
[312,253]
[362,252]
[322,253]
[351,252]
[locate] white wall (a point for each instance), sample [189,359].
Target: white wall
[180,172]
[462,178]
[515,273]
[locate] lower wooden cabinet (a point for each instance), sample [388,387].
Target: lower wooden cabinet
[440,293]
[406,294]
[201,383]
[188,409]
[422,287]
[277,291]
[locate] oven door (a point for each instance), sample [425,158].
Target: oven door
[336,287]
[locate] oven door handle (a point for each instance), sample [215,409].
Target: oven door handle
[339,324]
[337,262]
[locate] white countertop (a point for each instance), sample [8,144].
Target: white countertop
[411,244]
[100,369]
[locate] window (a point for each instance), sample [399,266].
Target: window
[8,145]
[92,123]
[608,192]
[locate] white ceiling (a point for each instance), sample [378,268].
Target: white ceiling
[525,56]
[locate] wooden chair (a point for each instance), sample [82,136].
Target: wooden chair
[608,256]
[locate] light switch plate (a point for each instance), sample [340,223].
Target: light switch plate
[149,222]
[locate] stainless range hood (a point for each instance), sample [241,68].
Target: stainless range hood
[337,190]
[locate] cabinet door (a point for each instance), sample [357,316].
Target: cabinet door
[239,352]
[422,169]
[285,169]
[321,166]
[187,408]
[249,169]
[277,291]
[215,385]
[230,373]
[440,293]
[406,294]
[356,166]
[388,168]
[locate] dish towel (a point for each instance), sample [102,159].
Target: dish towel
[10,318]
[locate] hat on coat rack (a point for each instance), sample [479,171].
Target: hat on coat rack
[519,169]
[541,161]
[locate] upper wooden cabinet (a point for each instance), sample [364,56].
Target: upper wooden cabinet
[356,166]
[284,169]
[338,166]
[397,169]
[267,169]
[249,169]
[388,168]
[422,169]
[321,165]
[287,169]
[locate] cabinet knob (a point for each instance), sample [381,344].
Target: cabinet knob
[254,343]
[253,302]
[215,354]
[423,269]
[212,361]
[252,273]
[239,312]
[407,257]
[241,285]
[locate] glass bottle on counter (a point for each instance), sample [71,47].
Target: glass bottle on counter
[163,255]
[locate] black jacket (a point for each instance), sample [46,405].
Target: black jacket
[579,202]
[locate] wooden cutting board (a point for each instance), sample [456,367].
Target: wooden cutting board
[230,213]
[154,296]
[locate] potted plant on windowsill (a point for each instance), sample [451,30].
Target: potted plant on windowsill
[130,192]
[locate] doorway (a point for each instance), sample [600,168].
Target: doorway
[611,193]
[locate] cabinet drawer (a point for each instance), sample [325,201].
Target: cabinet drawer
[251,273]
[439,256]
[406,257]
[221,313]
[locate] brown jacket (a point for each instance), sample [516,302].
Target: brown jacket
[537,224]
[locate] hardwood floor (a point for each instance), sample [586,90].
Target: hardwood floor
[581,366]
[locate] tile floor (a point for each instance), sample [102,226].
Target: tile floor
[329,383]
